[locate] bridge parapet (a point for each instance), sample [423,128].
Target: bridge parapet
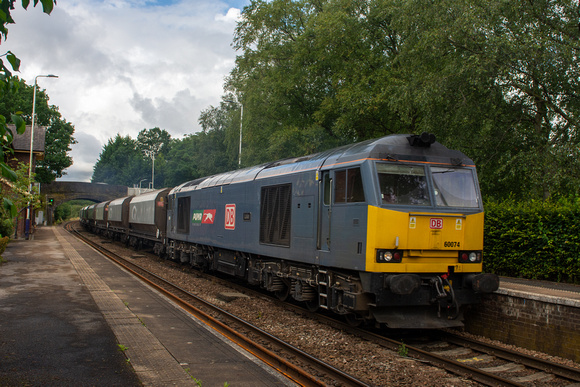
[64,191]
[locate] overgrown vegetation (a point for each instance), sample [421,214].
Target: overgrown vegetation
[69,210]
[534,239]
[3,243]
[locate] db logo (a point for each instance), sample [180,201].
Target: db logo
[436,223]
[230,217]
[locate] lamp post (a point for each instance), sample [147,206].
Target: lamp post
[29,211]
[151,153]
[241,121]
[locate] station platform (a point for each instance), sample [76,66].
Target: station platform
[69,316]
[545,291]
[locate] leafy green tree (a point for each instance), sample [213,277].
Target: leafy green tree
[59,132]
[500,77]
[120,162]
[156,140]
[59,138]
[280,81]
[154,144]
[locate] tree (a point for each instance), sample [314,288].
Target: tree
[59,138]
[126,161]
[120,162]
[156,140]
[279,82]
[154,144]
[59,132]
[506,74]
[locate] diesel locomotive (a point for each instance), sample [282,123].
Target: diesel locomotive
[387,230]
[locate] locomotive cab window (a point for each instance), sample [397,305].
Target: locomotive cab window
[348,186]
[403,184]
[454,187]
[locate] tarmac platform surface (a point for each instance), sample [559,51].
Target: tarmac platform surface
[69,316]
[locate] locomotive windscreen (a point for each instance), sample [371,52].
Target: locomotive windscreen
[418,185]
[403,184]
[454,187]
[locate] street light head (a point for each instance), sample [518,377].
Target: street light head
[44,76]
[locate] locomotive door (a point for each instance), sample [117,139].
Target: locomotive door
[324,212]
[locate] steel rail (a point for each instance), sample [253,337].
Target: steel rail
[290,370]
[510,355]
[450,365]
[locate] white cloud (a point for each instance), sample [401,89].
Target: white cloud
[126,65]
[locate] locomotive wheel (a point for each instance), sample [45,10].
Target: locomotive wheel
[282,295]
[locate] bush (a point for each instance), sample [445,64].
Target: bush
[6,227]
[3,243]
[535,240]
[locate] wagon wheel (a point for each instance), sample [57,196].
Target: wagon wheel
[312,305]
[353,320]
[283,294]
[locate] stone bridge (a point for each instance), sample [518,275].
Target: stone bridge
[64,191]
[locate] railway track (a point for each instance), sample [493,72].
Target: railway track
[274,352]
[484,363]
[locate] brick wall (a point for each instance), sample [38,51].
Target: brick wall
[542,325]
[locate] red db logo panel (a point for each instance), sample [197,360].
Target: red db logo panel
[230,217]
[436,223]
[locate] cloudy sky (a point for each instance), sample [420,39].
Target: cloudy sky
[126,65]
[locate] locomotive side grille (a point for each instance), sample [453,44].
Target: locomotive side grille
[275,207]
[183,206]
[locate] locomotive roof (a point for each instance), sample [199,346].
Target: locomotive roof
[397,147]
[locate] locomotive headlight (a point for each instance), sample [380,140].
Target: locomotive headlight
[470,256]
[389,256]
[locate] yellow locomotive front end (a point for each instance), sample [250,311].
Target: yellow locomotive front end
[426,240]
[423,242]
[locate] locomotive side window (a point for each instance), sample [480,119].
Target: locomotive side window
[183,220]
[348,186]
[454,187]
[403,184]
[275,211]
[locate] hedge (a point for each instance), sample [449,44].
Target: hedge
[534,240]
